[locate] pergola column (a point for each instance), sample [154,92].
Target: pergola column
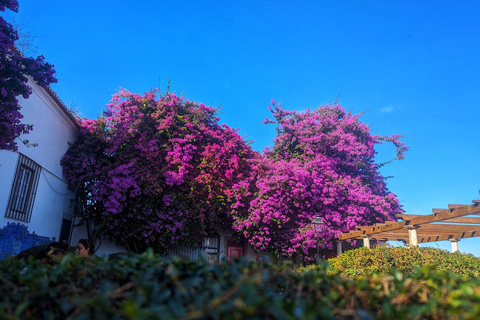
[412,236]
[339,247]
[366,241]
[454,243]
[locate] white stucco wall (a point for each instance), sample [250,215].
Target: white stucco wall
[106,246]
[52,131]
[8,163]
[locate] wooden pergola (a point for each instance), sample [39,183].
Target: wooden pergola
[453,224]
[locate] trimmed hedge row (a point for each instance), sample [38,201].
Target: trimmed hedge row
[147,287]
[382,259]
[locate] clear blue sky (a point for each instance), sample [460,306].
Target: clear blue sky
[413,65]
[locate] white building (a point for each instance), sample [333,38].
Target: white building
[34,195]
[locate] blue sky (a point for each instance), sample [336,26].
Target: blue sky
[412,65]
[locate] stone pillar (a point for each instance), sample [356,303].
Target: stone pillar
[339,247]
[366,241]
[412,236]
[454,243]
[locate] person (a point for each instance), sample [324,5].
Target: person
[42,256]
[84,248]
[53,253]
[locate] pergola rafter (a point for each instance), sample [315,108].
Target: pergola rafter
[455,223]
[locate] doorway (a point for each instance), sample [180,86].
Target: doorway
[234,249]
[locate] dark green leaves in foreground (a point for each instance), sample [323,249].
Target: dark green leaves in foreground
[147,287]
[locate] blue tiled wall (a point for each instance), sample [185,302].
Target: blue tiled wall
[14,238]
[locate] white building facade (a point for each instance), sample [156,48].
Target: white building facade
[35,202]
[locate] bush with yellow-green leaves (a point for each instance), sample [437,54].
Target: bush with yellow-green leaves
[382,259]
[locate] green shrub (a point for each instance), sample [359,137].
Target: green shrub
[148,287]
[382,259]
[120,255]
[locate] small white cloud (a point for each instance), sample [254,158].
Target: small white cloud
[387,109]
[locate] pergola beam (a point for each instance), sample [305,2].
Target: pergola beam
[448,228]
[423,237]
[463,235]
[447,214]
[440,226]
[426,239]
[409,217]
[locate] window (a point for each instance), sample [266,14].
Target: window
[24,188]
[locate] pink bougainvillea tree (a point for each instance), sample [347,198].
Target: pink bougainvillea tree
[157,171]
[14,69]
[322,164]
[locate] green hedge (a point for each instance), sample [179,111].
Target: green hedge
[382,259]
[148,287]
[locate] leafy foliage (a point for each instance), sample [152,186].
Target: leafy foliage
[147,287]
[382,259]
[156,171]
[14,69]
[321,164]
[159,172]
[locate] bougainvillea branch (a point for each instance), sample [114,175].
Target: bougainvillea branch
[14,69]
[157,172]
[321,164]
[161,172]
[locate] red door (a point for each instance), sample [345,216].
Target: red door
[234,250]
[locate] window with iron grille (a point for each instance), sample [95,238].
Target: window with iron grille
[24,189]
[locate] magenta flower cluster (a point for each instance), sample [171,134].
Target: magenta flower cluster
[321,164]
[14,69]
[157,171]
[160,171]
